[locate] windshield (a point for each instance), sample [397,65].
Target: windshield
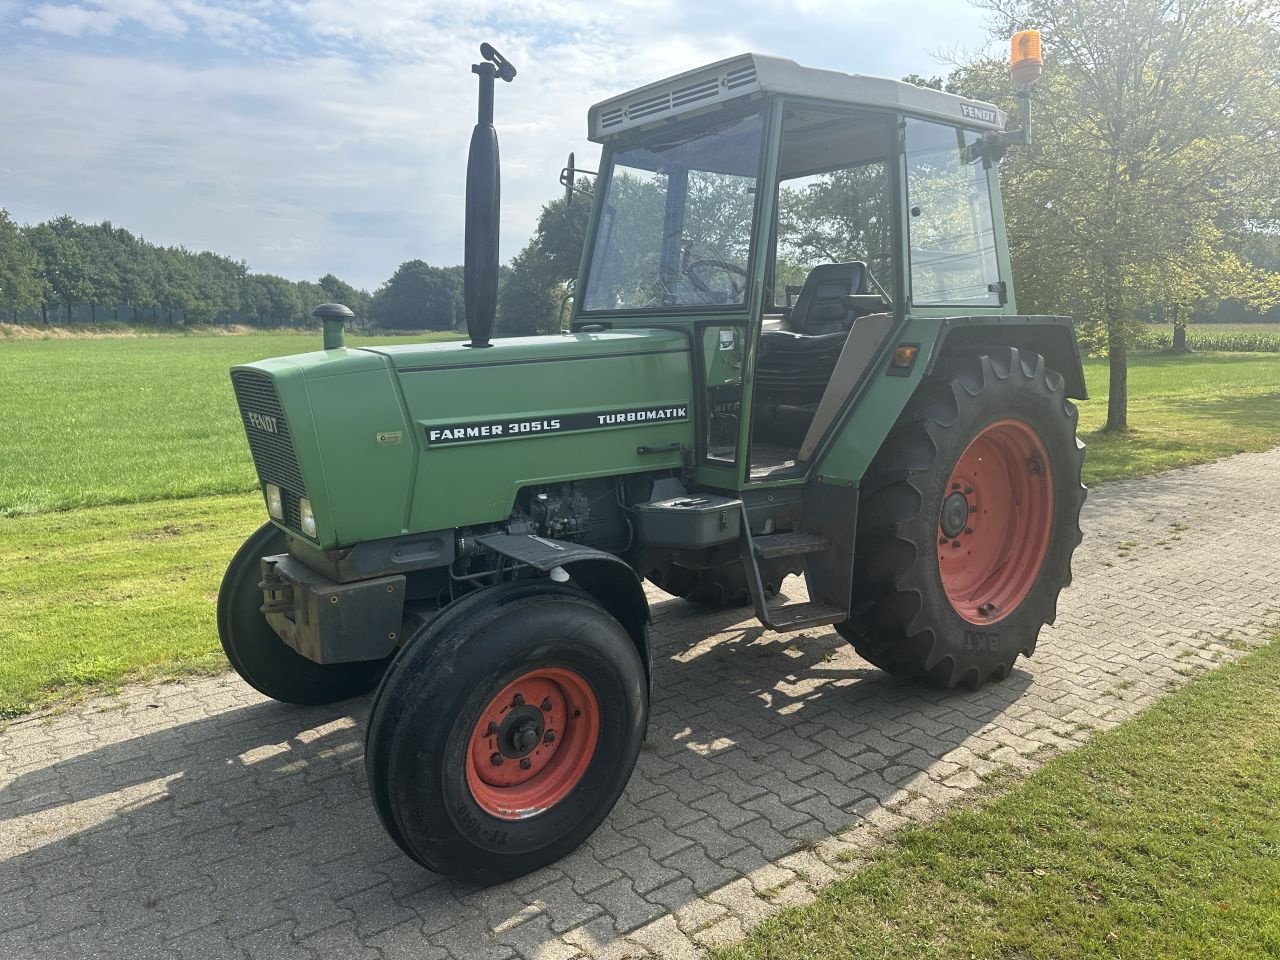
[675,228]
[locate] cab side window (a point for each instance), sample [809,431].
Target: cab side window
[952,233]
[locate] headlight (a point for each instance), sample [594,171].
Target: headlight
[275,503]
[308,518]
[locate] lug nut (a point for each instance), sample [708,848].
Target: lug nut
[496,759]
[955,543]
[955,486]
[973,509]
[549,737]
[519,700]
[545,706]
[491,729]
[968,529]
[525,764]
[968,490]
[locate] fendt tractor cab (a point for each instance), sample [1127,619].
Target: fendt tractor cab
[794,349]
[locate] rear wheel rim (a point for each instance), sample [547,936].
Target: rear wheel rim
[533,743]
[994,522]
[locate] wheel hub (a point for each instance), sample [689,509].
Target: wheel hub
[520,732]
[955,514]
[532,743]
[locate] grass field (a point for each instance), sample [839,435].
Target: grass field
[144,431]
[1182,410]
[129,419]
[1156,839]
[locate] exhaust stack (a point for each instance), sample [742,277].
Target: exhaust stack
[480,272]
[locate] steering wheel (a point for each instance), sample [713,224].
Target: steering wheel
[694,268]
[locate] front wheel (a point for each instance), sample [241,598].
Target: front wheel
[257,653]
[969,518]
[505,731]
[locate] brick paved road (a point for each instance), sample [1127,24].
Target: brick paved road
[198,820]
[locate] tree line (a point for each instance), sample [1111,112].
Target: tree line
[67,272]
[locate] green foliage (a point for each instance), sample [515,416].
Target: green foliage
[21,284]
[542,274]
[1216,337]
[419,297]
[64,271]
[1155,160]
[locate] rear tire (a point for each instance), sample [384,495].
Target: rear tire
[257,653]
[722,586]
[490,678]
[969,517]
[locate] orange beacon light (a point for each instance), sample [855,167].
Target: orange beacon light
[1025,63]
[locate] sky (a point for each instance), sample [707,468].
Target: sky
[317,136]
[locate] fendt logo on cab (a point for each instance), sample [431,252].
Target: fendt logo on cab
[972,112]
[263,422]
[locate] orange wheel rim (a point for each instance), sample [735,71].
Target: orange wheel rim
[533,743]
[994,522]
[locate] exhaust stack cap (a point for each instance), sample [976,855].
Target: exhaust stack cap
[333,317]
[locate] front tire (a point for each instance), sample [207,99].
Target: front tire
[969,518]
[505,731]
[257,653]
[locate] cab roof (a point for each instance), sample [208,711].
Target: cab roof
[753,75]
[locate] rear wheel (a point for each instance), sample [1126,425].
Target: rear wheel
[257,653]
[721,586]
[506,730]
[969,518]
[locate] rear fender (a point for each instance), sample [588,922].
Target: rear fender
[1054,338]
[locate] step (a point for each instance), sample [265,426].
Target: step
[793,616]
[789,545]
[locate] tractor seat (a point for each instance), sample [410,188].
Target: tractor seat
[820,306]
[796,360]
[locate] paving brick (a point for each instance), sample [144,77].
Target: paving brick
[197,820]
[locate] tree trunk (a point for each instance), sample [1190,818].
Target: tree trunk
[44,314]
[1118,384]
[68,313]
[1179,337]
[1117,351]
[93,314]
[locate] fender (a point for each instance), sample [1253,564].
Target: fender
[1054,338]
[607,578]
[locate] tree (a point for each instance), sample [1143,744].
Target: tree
[1156,154]
[21,286]
[527,302]
[419,297]
[531,293]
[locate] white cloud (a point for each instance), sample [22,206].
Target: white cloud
[316,135]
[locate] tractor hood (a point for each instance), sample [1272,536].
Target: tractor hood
[428,437]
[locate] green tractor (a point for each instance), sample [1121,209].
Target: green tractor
[794,349]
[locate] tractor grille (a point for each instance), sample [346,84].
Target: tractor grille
[269,440]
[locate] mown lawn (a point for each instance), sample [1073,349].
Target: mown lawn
[1156,839]
[143,434]
[125,420]
[1182,410]
[88,597]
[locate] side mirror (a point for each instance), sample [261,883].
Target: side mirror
[566,179]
